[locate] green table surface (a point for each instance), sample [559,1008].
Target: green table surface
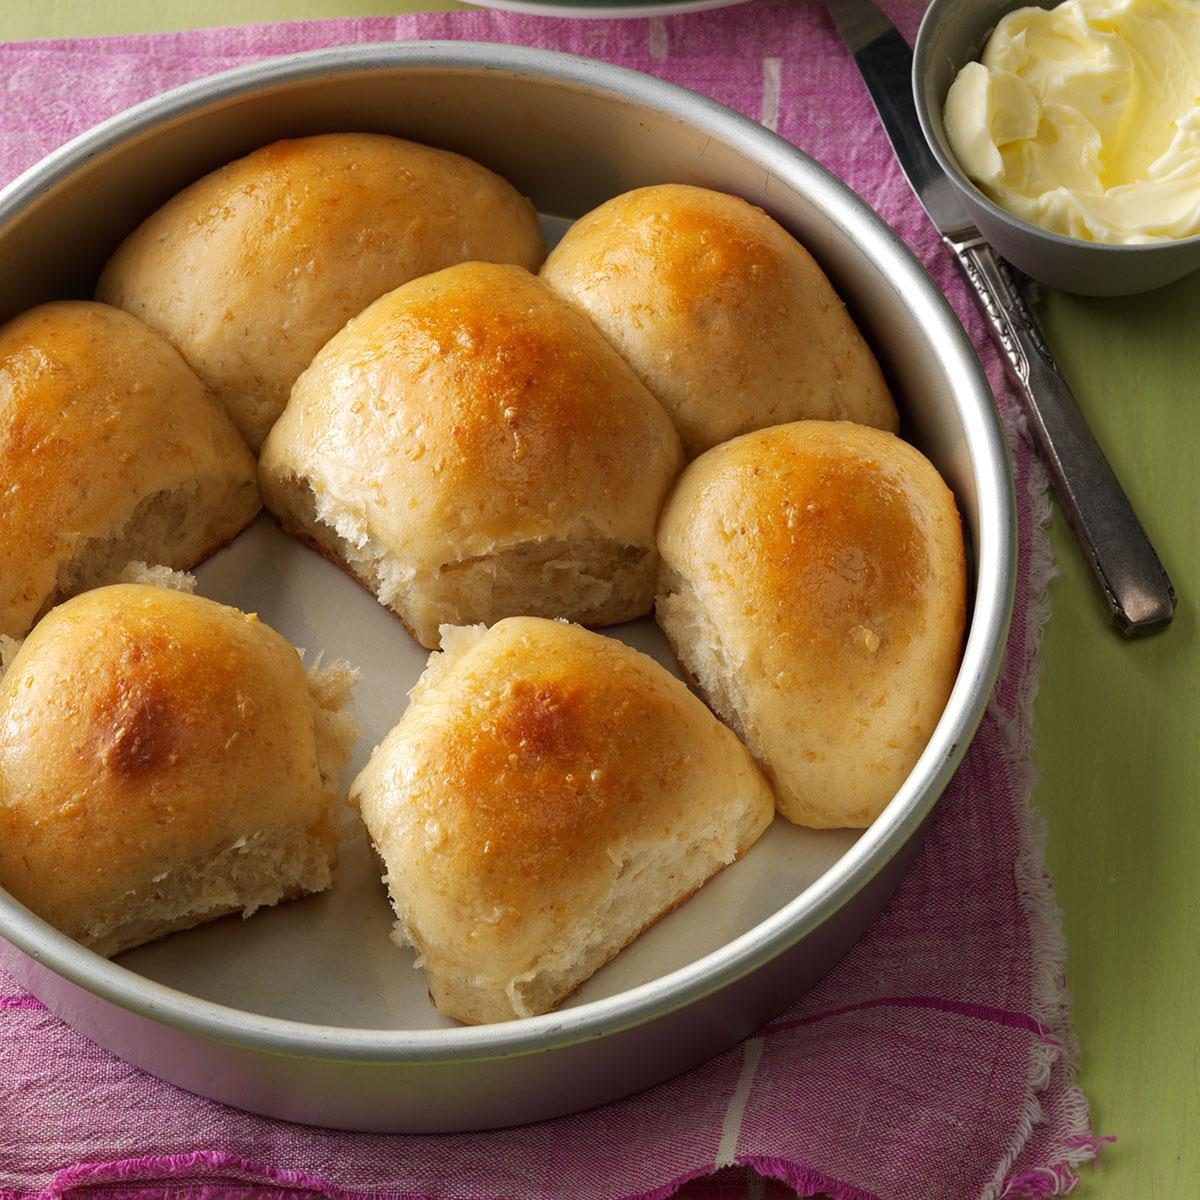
[1118,723]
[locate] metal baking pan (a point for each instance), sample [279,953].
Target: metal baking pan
[307,1012]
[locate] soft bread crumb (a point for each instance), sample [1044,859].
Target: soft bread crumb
[186,525]
[158,576]
[252,872]
[402,938]
[337,730]
[651,881]
[367,559]
[583,575]
[8,650]
[686,617]
[456,640]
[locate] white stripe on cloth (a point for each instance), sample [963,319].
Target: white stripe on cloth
[658,38]
[772,78]
[751,1055]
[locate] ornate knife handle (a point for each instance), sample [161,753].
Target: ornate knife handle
[1136,588]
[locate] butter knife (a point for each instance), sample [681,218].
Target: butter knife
[1136,588]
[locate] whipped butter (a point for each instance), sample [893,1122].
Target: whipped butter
[1085,119]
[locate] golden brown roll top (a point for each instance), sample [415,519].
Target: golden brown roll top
[110,450]
[548,794]
[813,582]
[472,448]
[163,761]
[250,270]
[724,316]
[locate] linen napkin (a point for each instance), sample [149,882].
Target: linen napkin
[934,1063]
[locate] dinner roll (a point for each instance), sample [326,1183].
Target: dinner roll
[164,761]
[110,450]
[252,269]
[813,583]
[547,795]
[724,316]
[471,448]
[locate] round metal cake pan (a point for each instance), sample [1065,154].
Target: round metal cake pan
[569,133]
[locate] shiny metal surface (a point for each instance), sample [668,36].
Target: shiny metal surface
[1136,589]
[952,34]
[884,61]
[570,133]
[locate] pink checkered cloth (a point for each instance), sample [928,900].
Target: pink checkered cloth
[935,1063]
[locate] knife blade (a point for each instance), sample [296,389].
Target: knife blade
[1136,588]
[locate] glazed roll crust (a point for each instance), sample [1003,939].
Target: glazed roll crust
[471,448]
[163,760]
[724,316]
[110,450]
[548,793]
[814,584]
[252,269]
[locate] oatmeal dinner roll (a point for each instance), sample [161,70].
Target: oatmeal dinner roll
[252,269]
[164,761]
[471,448]
[110,450]
[547,795]
[724,316]
[813,583]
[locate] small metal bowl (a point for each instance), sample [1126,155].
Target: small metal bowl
[954,33]
[307,1012]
